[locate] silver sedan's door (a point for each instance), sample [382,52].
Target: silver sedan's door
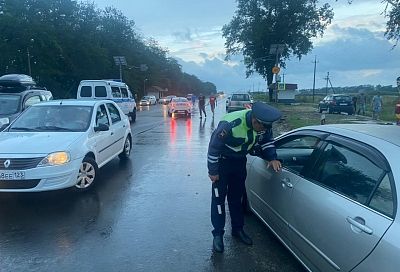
[331,226]
[269,193]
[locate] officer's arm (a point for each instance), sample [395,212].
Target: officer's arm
[267,148]
[216,146]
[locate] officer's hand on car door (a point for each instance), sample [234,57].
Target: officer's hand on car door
[214,178]
[275,164]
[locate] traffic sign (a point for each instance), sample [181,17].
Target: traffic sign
[275,70]
[281,86]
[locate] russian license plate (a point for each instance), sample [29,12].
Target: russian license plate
[12,175]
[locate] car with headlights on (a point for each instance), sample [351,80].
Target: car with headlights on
[179,105]
[60,144]
[144,102]
[334,204]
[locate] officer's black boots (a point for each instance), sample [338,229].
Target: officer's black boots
[243,237]
[218,243]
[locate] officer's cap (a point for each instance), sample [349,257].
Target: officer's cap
[265,114]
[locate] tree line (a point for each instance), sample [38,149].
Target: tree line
[66,41]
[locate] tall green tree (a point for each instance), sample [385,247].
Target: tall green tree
[257,24]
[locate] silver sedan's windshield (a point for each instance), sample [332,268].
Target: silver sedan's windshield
[9,103]
[54,118]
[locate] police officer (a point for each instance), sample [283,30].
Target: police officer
[237,134]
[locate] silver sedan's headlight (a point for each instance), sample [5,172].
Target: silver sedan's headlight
[56,158]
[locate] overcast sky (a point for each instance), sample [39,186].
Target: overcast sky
[353,49]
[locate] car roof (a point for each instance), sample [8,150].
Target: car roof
[70,102]
[386,132]
[108,81]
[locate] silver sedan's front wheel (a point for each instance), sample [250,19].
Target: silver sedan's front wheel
[87,174]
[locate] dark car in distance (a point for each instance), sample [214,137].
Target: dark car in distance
[337,103]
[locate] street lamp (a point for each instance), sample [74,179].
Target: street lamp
[29,58]
[144,86]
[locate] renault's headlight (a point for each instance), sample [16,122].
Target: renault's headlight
[56,158]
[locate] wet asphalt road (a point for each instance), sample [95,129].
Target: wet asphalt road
[148,214]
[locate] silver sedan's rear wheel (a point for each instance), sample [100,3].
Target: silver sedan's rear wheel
[87,174]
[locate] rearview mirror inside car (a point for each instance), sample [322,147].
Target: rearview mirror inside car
[101,127]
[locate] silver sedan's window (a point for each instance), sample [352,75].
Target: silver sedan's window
[382,199]
[348,172]
[295,154]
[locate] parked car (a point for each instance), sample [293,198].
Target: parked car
[336,103]
[151,98]
[18,92]
[60,144]
[334,204]
[162,100]
[113,90]
[144,102]
[239,101]
[179,105]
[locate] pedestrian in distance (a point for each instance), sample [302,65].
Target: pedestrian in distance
[202,105]
[193,98]
[238,133]
[362,103]
[377,104]
[213,103]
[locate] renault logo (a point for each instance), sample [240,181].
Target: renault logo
[7,163]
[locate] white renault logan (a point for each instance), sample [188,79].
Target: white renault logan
[61,144]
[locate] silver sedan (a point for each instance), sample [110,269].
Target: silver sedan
[334,203]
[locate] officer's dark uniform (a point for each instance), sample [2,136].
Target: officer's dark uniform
[233,139]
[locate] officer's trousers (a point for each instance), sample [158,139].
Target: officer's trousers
[232,177]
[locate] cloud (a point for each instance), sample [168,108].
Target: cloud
[355,57]
[183,35]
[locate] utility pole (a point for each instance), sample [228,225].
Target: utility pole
[313,88]
[327,81]
[29,62]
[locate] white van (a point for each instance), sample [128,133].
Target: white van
[109,89]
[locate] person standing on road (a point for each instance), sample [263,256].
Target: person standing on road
[237,134]
[213,103]
[193,98]
[362,102]
[376,106]
[202,105]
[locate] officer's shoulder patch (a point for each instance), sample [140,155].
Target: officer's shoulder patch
[223,134]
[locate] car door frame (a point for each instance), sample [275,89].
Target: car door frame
[101,139]
[303,244]
[265,203]
[117,130]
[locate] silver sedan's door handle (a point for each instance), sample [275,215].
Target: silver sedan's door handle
[286,182]
[112,133]
[359,223]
